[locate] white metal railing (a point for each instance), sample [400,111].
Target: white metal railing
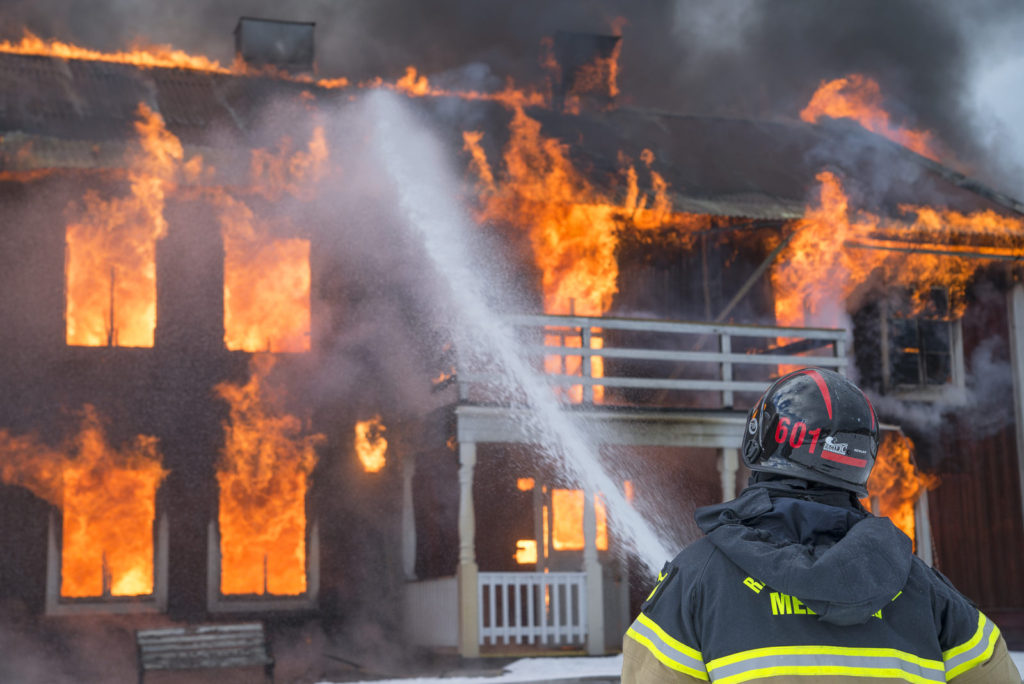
[664,355]
[532,608]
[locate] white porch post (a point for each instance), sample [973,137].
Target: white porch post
[408,519]
[728,464]
[467,574]
[592,569]
[1015,302]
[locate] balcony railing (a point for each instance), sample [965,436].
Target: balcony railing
[619,361]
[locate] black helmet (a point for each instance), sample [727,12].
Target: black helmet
[813,424]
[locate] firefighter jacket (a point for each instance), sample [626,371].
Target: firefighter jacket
[795,582]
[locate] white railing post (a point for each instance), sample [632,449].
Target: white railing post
[728,399]
[592,571]
[533,608]
[586,364]
[467,572]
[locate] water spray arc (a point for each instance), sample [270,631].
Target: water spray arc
[428,202]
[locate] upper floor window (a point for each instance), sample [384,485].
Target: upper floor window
[922,348]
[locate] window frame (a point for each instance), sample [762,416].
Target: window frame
[954,391]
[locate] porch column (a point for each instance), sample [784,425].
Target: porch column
[1015,304]
[592,570]
[467,573]
[408,519]
[728,465]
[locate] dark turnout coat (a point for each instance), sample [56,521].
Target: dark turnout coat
[794,582]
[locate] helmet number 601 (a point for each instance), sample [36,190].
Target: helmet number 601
[797,434]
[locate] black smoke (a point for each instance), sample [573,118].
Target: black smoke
[748,58]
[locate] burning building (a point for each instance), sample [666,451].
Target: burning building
[211,315]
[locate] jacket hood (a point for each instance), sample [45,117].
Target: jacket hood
[840,561]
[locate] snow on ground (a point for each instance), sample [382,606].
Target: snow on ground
[532,670]
[548,669]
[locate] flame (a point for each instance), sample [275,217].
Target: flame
[567,520]
[108,501]
[573,227]
[370,445]
[263,475]
[831,254]
[274,173]
[142,56]
[266,284]
[525,484]
[896,483]
[415,84]
[599,77]
[526,551]
[111,247]
[108,515]
[267,279]
[859,98]
[156,56]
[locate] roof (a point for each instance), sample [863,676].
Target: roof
[79,113]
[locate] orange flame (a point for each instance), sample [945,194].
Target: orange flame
[266,284]
[567,520]
[573,227]
[142,56]
[599,77]
[526,551]
[833,252]
[896,483]
[111,247]
[266,279]
[156,56]
[108,500]
[859,98]
[370,445]
[263,475]
[108,515]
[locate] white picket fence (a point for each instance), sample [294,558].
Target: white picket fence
[532,608]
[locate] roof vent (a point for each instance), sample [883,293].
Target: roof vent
[286,45]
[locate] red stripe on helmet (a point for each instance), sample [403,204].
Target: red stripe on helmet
[845,460]
[816,376]
[871,408]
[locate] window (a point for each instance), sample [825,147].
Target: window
[922,349]
[116,593]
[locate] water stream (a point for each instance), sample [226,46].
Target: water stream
[429,201]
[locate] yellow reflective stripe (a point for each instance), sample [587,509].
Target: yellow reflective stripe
[977,650]
[664,659]
[970,643]
[810,670]
[674,643]
[825,650]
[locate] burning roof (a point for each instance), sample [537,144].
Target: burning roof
[60,112]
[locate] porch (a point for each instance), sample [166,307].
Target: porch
[639,383]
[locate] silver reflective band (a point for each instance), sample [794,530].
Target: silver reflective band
[987,629]
[651,638]
[851,664]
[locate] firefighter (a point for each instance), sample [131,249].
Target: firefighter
[794,581]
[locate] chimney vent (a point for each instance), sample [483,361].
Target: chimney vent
[286,45]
